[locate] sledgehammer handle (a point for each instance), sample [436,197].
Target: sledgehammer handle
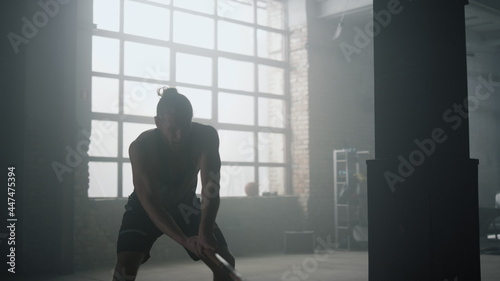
[224,266]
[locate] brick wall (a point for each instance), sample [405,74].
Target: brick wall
[340,109]
[299,111]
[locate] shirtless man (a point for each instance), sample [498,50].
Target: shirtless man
[165,165]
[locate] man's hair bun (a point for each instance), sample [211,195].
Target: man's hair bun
[166,90]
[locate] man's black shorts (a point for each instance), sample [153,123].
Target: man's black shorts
[138,233]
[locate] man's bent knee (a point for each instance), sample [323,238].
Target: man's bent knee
[121,275]
[127,265]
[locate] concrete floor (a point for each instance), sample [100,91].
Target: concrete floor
[337,265]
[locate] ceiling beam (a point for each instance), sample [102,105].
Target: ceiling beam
[491,43]
[483,12]
[335,8]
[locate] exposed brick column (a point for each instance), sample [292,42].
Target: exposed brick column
[299,112]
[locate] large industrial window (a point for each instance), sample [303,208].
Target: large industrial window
[227,56]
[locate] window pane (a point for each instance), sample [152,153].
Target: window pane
[194,69]
[270,45]
[128,185]
[146,20]
[201,100]
[272,179]
[104,95]
[236,109]
[104,139]
[130,132]
[107,14]
[147,61]
[236,10]
[238,81]
[234,178]
[235,38]
[193,30]
[105,54]
[271,148]
[140,98]
[236,75]
[271,113]
[205,6]
[103,179]
[270,13]
[271,80]
[236,146]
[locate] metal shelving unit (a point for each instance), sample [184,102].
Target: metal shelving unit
[346,165]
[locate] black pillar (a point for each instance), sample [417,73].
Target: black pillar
[38,70]
[12,81]
[422,186]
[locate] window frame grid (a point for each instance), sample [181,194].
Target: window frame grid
[214,55]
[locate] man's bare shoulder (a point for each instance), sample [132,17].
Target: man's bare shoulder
[204,137]
[203,129]
[204,133]
[144,142]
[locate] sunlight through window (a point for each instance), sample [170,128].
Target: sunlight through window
[226,56]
